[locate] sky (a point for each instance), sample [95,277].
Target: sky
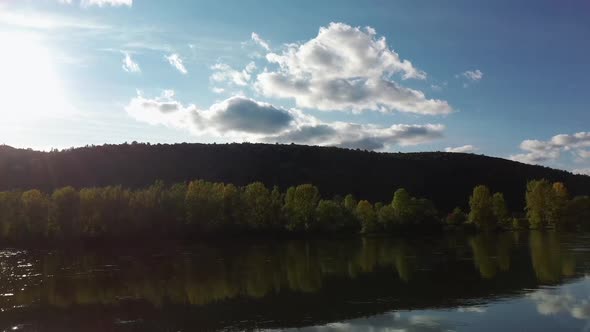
[502,78]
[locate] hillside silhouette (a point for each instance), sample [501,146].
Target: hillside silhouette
[445,178]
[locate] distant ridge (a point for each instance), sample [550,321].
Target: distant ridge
[446,178]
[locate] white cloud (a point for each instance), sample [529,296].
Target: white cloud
[583,171]
[583,153]
[47,21]
[346,68]
[552,303]
[473,75]
[224,73]
[241,118]
[129,65]
[175,61]
[462,149]
[475,309]
[263,43]
[218,90]
[361,136]
[102,3]
[388,322]
[537,152]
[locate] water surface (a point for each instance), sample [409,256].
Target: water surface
[510,281]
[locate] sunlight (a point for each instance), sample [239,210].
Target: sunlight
[29,84]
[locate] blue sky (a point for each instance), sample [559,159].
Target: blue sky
[501,78]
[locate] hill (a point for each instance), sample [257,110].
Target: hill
[445,178]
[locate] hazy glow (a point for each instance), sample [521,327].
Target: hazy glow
[29,85]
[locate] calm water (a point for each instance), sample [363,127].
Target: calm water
[511,281]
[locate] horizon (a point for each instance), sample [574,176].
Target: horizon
[504,80]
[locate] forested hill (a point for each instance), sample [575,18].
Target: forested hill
[445,178]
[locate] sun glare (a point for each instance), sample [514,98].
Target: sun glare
[29,84]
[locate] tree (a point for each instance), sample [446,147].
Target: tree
[577,213]
[456,218]
[300,206]
[257,206]
[560,198]
[481,213]
[386,217]
[64,212]
[330,216]
[538,199]
[350,202]
[277,200]
[499,208]
[174,207]
[367,216]
[423,212]
[34,211]
[204,205]
[10,216]
[402,205]
[232,206]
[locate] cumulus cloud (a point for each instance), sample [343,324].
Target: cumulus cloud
[236,115]
[346,68]
[537,151]
[102,3]
[259,41]
[176,61]
[462,149]
[242,118]
[360,136]
[225,73]
[129,65]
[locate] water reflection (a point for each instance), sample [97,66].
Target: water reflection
[325,284]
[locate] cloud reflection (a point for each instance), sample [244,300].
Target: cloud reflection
[390,322]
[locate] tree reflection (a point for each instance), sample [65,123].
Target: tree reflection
[327,276]
[550,259]
[491,253]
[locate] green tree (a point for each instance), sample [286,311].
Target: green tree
[500,209]
[560,198]
[64,212]
[10,216]
[174,207]
[257,206]
[232,206]
[350,202]
[386,217]
[538,201]
[300,206]
[367,216]
[204,206]
[35,206]
[403,207]
[330,216]
[481,213]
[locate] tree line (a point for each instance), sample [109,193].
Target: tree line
[200,207]
[445,178]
